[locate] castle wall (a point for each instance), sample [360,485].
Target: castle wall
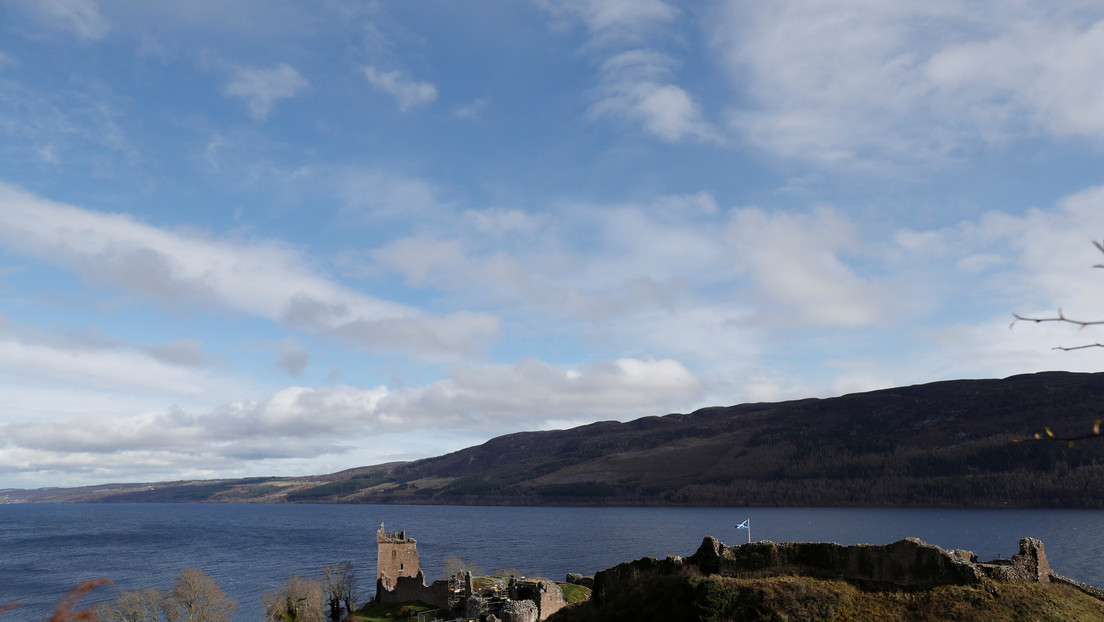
[407,589]
[547,596]
[908,564]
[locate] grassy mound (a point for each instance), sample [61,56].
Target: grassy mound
[719,599]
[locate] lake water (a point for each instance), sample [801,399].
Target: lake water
[47,549]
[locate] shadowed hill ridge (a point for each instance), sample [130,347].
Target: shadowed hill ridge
[939,444]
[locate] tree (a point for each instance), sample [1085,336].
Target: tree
[339,584]
[507,573]
[196,597]
[140,606]
[454,565]
[296,600]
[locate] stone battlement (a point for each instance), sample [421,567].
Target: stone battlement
[392,537]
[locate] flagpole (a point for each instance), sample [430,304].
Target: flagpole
[746,525]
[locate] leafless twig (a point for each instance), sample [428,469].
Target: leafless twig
[1051,436]
[63,613]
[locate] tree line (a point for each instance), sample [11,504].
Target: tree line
[197,597]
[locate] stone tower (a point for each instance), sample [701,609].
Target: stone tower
[396,556]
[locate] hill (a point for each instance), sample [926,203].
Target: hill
[939,444]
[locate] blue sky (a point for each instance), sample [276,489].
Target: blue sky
[280,238]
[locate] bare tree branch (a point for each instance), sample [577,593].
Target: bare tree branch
[64,610]
[1051,436]
[1061,317]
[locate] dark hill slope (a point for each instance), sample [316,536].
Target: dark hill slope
[946,443]
[940,444]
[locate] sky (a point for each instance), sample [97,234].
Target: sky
[287,238]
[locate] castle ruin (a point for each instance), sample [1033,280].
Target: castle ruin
[396,556]
[399,579]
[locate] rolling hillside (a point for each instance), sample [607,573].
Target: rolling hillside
[940,444]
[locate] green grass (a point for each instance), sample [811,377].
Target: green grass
[720,599]
[574,594]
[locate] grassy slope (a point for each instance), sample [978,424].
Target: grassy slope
[717,598]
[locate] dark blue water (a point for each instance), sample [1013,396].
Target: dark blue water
[47,549]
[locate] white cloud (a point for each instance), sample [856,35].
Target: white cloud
[861,81]
[530,391]
[262,88]
[633,86]
[293,357]
[501,221]
[470,110]
[620,18]
[415,258]
[263,279]
[408,93]
[185,352]
[81,17]
[700,202]
[499,398]
[112,369]
[378,194]
[796,263]
[1038,70]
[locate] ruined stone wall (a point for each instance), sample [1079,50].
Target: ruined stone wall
[396,557]
[1030,564]
[407,589]
[545,594]
[908,564]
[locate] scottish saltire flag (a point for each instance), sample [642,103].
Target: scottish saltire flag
[743,525]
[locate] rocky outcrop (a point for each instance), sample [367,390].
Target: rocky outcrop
[575,578]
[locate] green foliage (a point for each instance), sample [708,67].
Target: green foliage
[473,485]
[576,489]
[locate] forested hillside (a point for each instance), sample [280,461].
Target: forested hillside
[941,444]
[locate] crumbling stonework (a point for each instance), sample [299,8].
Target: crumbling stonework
[906,564]
[1030,564]
[399,579]
[545,594]
[408,589]
[519,611]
